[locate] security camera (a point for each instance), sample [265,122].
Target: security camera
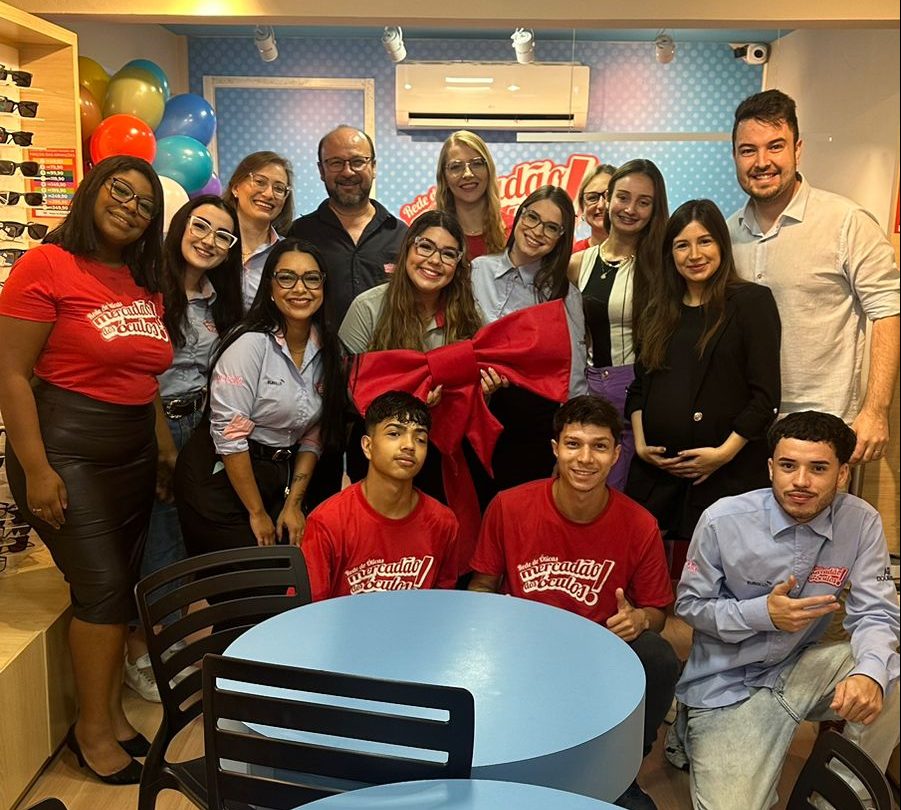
[752,53]
[393,43]
[264,39]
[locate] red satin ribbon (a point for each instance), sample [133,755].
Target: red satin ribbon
[531,348]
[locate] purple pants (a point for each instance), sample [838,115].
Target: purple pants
[611,384]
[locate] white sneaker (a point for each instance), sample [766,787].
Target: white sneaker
[139,676]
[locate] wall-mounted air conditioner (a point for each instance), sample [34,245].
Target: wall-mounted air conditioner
[491,95]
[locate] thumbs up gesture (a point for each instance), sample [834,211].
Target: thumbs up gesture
[628,622]
[791,614]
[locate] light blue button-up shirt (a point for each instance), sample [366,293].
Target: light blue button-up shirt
[257,392]
[191,364]
[253,268]
[742,547]
[500,288]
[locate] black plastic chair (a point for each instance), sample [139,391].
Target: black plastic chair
[242,587]
[272,772]
[817,778]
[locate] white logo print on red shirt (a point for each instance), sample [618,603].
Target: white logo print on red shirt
[139,319]
[405,574]
[581,579]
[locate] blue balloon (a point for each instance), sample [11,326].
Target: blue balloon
[188,114]
[187,161]
[154,69]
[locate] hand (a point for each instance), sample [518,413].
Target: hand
[654,455]
[165,467]
[871,428]
[433,397]
[263,528]
[628,622]
[699,463]
[858,699]
[47,497]
[291,520]
[491,381]
[791,614]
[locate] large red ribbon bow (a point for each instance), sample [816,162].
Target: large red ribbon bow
[531,348]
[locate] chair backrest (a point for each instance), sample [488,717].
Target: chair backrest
[390,731]
[818,778]
[242,587]
[48,804]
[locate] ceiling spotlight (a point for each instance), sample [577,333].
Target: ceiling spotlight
[393,43]
[524,45]
[264,39]
[664,48]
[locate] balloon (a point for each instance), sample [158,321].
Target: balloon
[185,160]
[92,77]
[123,135]
[90,112]
[135,92]
[213,186]
[188,114]
[174,197]
[154,69]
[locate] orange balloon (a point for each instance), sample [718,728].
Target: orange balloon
[91,116]
[123,135]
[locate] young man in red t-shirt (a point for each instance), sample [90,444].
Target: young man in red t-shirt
[383,534]
[574,543]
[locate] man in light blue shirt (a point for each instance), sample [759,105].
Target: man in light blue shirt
[762,577]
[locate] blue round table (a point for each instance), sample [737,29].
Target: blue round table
[457,794]
[559,700]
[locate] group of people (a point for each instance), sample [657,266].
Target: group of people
[240,366]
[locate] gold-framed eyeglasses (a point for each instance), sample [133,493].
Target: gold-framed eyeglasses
[260,183]
[457,168]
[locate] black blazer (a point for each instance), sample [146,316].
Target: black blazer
[737,389]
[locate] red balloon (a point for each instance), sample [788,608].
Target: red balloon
[123,135]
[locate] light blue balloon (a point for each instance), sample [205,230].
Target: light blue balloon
[186,160]
[154,69]
[188,114]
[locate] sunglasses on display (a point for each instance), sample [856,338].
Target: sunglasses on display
[27,109]
[29,168]
[9,256]
[15,229]
[260,183]
[531,220]
[457,168]
[594,197]
[122,192]
[32,198]
[426,247]
[20,138]
[357,164]
[287,279]
[20,78]
[222,239]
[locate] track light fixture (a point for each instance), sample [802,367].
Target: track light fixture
[393,43]
[664,48]
[524,45]
[264,39]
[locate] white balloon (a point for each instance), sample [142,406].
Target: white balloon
[174,197]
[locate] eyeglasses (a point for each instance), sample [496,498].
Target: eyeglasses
[287,279]
[27,109]
[457,168]
[20,138]
[222,239]
[260,183]
[16,229]
[593,197]
[357,164]
[32,198]
[9,257]
[426,248]
[531,220]
[122,192]
[20,78]
[29,168]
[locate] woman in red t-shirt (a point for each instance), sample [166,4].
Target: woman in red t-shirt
[81,343]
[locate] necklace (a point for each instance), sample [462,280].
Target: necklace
[611,265]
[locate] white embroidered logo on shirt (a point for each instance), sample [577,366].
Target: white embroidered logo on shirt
[405,574]
[138,319]
[581,579]
[829,576]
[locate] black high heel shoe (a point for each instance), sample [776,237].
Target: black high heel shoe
[129,775]
[137,746]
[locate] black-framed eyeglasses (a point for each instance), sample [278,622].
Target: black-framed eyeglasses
[27,109]
[20,138]
[457,168]
[32,198]
[14,230]
[260,183]
[29,168]
[287,279]
[593,197]
[426,248]
[8,257]
[122,192]
[357,164]
[222,239]
[531,220]
[20,78]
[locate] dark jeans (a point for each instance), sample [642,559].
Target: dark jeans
[661,671]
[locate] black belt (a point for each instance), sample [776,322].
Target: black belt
[184,406]
[266,453]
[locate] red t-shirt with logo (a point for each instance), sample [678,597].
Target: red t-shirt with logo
[108,340]
[350,548]
[548,558]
